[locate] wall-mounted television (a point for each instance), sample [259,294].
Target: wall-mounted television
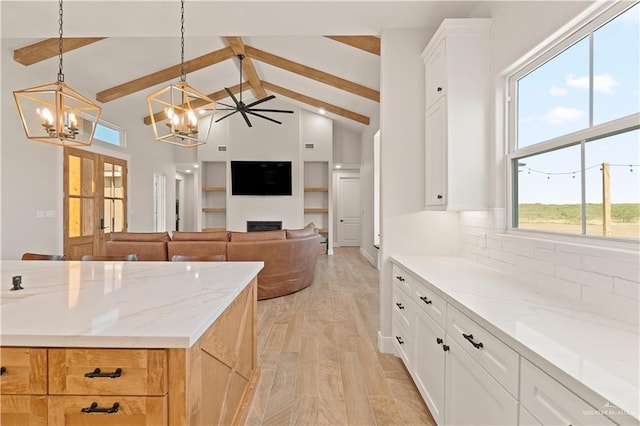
[261,178]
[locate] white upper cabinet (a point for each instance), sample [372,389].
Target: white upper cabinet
[456,122]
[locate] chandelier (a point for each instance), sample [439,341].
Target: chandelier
[175,110]
[55,113]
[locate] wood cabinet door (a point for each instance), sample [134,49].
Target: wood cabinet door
[436,154]
[23,410]
[472,396]
[129,411]
[429,372]
[25,371]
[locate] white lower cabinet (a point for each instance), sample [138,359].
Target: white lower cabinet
[402,341]
[429,370]
[553,404]
[472,396]
[526,418]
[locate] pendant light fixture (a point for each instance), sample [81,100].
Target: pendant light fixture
[175,110]
[55,113]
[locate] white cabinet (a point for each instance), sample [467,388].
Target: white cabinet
[456,122]
[429,367]
[472,396]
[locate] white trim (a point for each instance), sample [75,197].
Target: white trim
[593,241]
[385,344]
[368,257]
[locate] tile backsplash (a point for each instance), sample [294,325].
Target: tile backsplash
[604,277]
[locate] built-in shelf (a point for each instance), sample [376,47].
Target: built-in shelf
[316,210]
[214,209]
[316,189]
[214,188]
[323,230]
[213,229]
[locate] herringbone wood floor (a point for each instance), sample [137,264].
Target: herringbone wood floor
[317,350]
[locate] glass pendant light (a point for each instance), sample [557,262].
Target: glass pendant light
[176,109]
[55,113]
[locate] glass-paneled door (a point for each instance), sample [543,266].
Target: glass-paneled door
[94,201]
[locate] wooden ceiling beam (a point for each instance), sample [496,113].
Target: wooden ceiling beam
[216,96]
[49,48]
[369,44]
[313,74]
[166,74]
[316,103]
[249,70]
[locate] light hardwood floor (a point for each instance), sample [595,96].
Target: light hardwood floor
[317,350]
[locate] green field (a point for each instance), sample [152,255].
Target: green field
[566,218]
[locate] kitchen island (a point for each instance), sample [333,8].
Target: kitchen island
[127,343]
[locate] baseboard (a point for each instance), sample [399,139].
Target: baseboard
[368,257]
[330,252]
[385,344]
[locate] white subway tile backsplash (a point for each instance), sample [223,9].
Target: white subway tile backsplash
[527,264]
[558,258]
[612,305]
[611,266]
[562,288]
[493,242]
[626,288]
[509,246]
[591,279]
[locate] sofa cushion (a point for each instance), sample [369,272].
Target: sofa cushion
[196,248]
[258,236]
[140,236]
[308,231]
[201,236]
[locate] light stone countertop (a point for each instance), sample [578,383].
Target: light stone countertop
[116,304]
[594,355]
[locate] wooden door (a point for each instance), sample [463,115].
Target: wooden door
[94,201]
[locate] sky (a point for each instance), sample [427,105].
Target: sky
[553,100]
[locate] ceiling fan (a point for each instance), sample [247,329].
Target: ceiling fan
[244,109]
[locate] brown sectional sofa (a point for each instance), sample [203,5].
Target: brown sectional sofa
[289,256]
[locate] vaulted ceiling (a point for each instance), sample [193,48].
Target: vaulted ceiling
[314,54]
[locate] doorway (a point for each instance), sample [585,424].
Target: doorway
[349,209]
[95,198]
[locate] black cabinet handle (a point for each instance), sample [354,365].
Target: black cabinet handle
[426,300]
[445,348]
[399,278]
[439,340]
[399,305]
[439,89]
[469,337]
[3,370]
[97,373]
[399,339]
[439,196]
[93,408]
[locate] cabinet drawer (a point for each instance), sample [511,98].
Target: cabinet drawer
[25,371]
[552,403]
[402,341]
[402,306]
[23,410]
[131,410]
[491,353]
[431,303]
[402,279]
[142,371]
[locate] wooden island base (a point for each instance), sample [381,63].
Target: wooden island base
[210,383]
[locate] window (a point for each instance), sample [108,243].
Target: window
[575,132]
[108,133]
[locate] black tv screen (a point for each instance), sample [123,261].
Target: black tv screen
[261,178]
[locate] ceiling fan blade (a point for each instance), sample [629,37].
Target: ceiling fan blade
[227,105]
[231,94]
[244,115]
[222,118]
[264,116]
[272,110]
[226,109]
[259,101]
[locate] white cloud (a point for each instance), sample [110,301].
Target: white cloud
[557,91]
[560,115]
[602,83]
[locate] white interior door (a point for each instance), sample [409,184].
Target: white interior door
[349,210]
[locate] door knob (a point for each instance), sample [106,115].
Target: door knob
[341,220]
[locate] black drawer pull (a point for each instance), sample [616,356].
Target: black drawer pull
[93,408]
[426,300]
[469,337]
[439,196]
[445,348]
[399,278]
[399,339]
[3,370]
[399,305]
[97,373]
[439,89]
[439,340]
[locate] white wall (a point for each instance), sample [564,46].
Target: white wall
[346,146]
[405,227]
[32,171]
[366,188]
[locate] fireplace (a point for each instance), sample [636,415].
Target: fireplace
[254,226]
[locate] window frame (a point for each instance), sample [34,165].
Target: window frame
[584,28]
[121,131]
